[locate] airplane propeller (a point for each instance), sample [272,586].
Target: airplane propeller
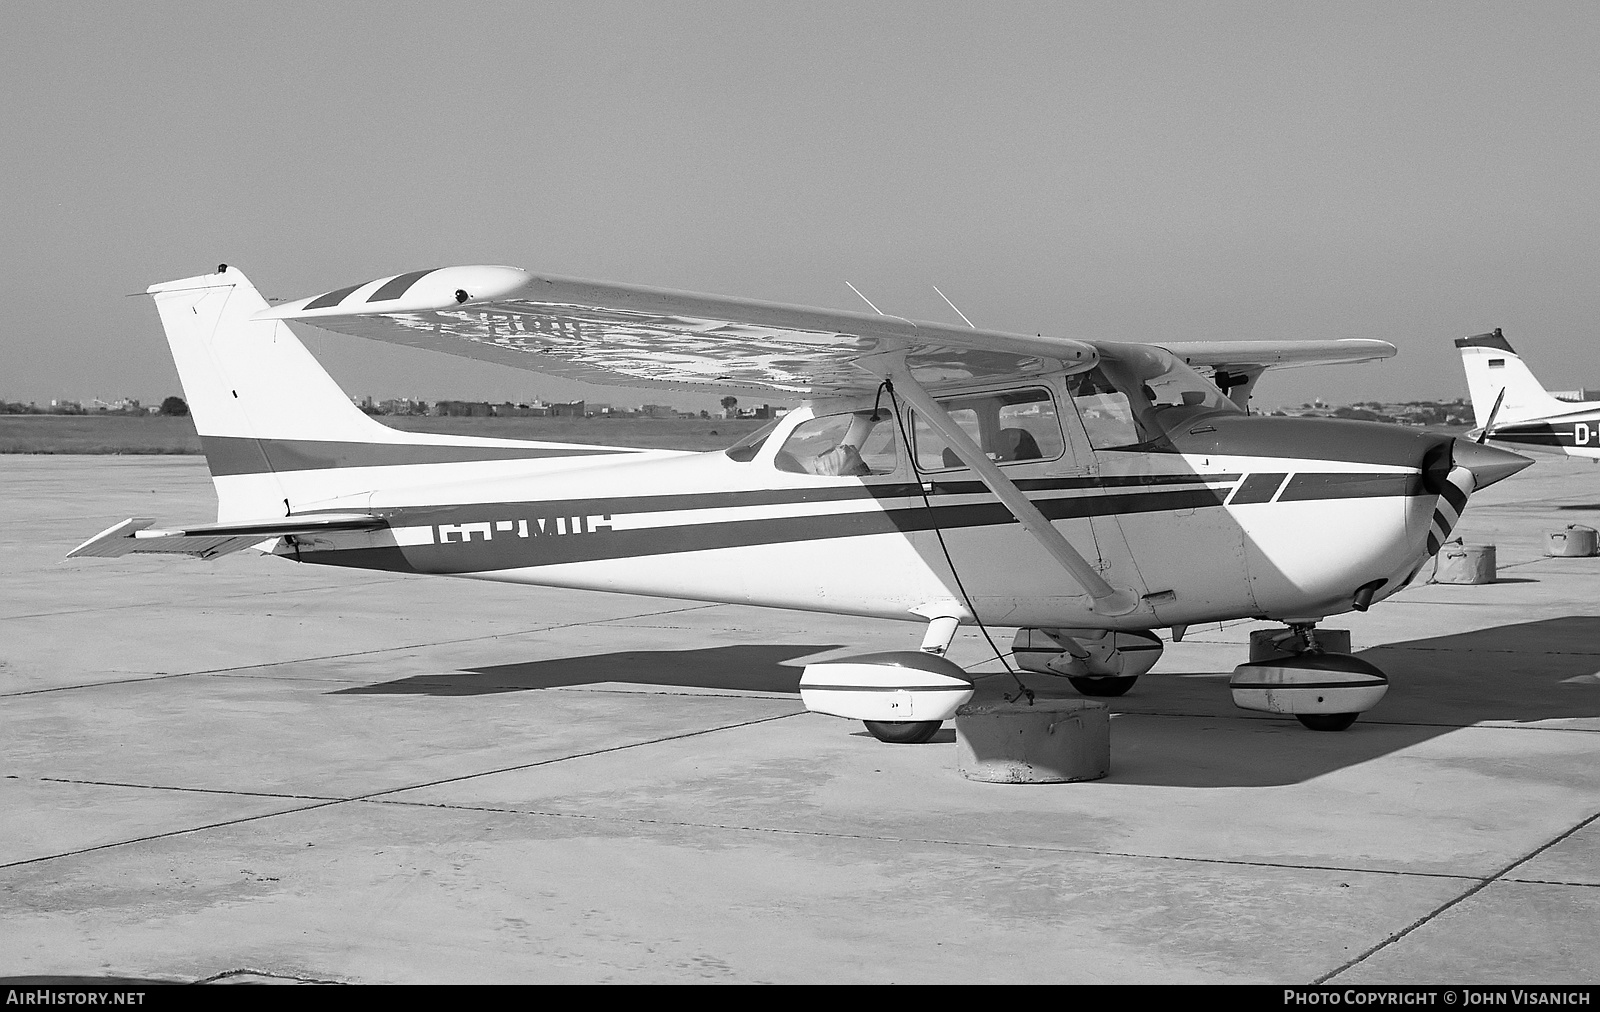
[1489,423]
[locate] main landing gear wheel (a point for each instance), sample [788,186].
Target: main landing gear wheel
[903,732]
[1112,686]
[1327,721]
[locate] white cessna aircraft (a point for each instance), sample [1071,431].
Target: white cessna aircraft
[1509,405]
[1085,492]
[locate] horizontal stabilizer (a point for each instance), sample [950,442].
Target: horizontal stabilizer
[137,535]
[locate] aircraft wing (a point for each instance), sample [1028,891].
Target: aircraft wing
[1241,356]
[1235,366]
[136,535]
[625,335]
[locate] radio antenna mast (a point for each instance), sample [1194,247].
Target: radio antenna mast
[868,301]
[952,305]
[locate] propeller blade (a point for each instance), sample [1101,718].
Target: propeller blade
[1489,423]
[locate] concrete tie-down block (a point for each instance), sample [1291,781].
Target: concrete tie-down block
[1052,741]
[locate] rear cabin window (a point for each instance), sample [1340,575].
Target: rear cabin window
[844,445]
[1011,427]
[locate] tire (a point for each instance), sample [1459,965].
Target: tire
[1327,721]
[1104,687]
[903,732]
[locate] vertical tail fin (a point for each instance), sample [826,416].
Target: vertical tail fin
[249,382]
[281,437]
[1492,368]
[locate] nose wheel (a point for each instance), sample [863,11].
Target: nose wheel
[1324,691]
[1327,721]
[1103,687]
[903,732]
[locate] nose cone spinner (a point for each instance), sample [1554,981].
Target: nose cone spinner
[1488,464]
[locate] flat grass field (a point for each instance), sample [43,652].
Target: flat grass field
[161,434]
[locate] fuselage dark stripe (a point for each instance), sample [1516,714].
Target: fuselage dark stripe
[1350,486]
[886,688]
[1578,432]
[905,492]
[512,552]
[1257,488]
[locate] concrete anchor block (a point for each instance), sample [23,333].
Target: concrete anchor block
[1053,741]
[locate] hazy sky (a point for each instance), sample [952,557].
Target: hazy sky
[1409,171]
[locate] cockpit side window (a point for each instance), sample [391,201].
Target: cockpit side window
[1010,426]
[1105,411]
[854,443]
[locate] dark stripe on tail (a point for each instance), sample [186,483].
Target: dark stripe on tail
[226,455]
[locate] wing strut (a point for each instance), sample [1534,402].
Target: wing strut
[1107,599]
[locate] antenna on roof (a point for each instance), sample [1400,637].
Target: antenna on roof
[868,301]
[952,305]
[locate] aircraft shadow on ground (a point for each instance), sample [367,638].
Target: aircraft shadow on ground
[1528,672]
[740,667]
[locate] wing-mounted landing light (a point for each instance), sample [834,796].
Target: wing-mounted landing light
[429,291]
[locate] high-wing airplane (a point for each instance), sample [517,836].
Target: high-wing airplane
[1085,492]
[1509,405]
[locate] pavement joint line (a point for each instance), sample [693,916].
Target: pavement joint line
[223,597]
[1490,650]
[191,790]
[870,838]
[1266,717]
[168,835]
[1552,882]
[322,657]
[1482,884]
[578,755]
[374,794]
[378,798]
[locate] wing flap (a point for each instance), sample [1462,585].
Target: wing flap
[138,535]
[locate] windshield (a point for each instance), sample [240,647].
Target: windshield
[745,449]
[1138,394]
[848,444]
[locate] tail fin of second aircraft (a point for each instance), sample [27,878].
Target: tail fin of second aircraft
[1497,375]
[279,435]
